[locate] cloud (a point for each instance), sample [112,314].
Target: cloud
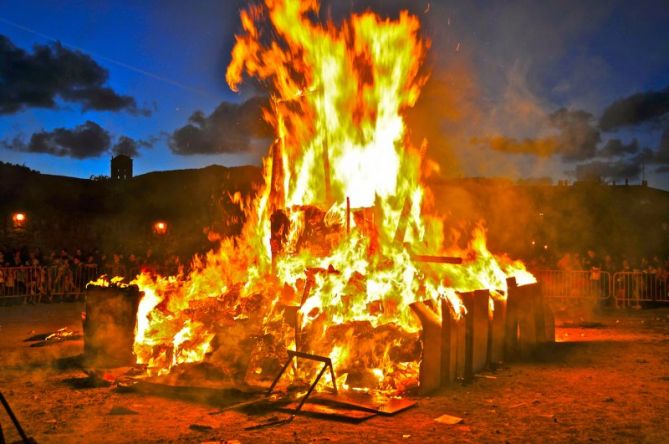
[84,141]
[231,128]
[131,147]
[50,72]
[635,109]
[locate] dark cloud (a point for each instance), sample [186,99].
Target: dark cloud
[617,148]
[576,140]
[131,147]
[84,141]
[37,79]
[635,109]
[231,128]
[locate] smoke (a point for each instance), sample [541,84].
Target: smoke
[37,79]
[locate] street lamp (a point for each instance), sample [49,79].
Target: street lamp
[160,227]
[19,219]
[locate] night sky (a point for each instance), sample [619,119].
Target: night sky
[561,89]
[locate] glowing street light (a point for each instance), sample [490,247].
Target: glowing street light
[160,227]
[19,219]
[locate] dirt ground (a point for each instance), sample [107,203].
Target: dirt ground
[606,380]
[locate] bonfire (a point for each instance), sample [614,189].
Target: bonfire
[341,238]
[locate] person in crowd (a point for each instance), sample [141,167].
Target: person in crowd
[133,267]
[115,267]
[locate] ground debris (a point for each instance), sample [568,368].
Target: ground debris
[485,376]
[200,427]
[120,410]
[227,441]
[60,335]
[448,419]
[269,421]
[581,324]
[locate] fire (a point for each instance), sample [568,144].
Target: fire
[327,258]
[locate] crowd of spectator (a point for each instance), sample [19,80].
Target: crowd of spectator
[31,276]
[591,260]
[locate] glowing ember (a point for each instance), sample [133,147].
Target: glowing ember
[326,261]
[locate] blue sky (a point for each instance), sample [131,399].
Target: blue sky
[170,56]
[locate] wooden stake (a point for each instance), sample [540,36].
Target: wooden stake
[348,215]
[403,222]
[449,344]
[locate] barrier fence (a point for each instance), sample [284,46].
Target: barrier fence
[632,288]
[620,289]
[566,285]
[44,284]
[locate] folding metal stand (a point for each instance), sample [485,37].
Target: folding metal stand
[25,438]
[327,363]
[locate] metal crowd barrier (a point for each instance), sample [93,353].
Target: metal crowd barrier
[44,284]
[570,285]
[631,288]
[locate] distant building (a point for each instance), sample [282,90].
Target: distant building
[121,167]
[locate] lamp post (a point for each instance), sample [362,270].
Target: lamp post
[160,227]
[19,219]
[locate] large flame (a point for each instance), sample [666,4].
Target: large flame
[326,261]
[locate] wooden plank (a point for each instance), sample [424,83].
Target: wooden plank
[511,322]
[449,344]
[368,403]
[363,402]
[468,371]
[527,320]
[497,331]
[329,412]
[395,406]
[430,365]
[481,320]
[436,259]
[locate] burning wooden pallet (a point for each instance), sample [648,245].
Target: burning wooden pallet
[491,331]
